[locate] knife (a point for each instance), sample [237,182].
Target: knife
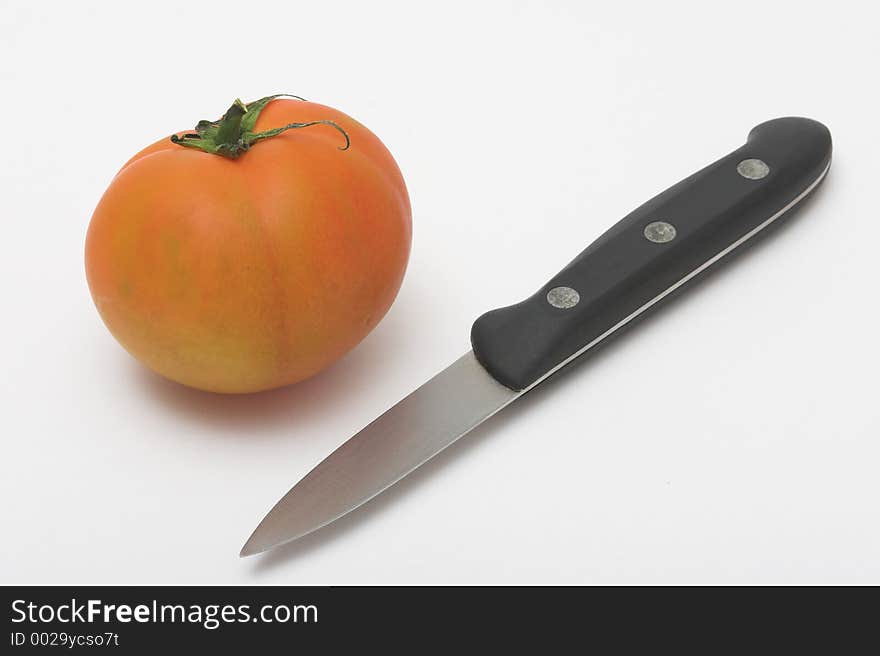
[641,261]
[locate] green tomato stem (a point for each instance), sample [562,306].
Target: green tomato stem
[233,135]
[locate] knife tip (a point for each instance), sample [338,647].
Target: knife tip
[252,547]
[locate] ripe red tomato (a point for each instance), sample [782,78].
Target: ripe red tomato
[257,267]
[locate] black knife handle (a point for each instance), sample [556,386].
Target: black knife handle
[641,260]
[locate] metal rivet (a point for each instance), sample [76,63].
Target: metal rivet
[563,297]
[753,169]
[660,232]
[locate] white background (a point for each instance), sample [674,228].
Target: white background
[733,437]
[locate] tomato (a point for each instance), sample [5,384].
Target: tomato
[256,264]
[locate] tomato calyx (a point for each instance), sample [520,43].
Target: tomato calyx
[233,135]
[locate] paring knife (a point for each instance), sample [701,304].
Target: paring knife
[650,254]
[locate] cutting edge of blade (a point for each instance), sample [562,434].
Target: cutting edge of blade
[254,546]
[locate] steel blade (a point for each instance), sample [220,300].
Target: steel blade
[419,427]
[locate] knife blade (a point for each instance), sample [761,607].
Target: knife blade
[649,255]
